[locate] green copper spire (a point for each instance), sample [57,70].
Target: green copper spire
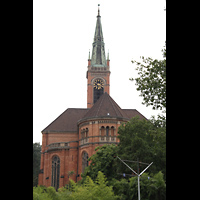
[98,50]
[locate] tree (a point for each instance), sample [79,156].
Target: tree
[152,187]
[94,190]
[152,81]
[103,160]
[142,140]
[45,193]
[157,187]
[36,162]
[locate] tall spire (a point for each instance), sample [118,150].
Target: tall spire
[98,50]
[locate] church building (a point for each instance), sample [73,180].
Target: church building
[72,137]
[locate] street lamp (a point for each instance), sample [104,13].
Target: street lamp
[138,175]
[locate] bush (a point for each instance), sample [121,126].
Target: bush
[97,190]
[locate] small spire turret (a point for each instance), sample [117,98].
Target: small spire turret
[89,55]
[108,55]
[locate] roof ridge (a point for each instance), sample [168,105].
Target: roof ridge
[113,105]
[120,110]
[100,103]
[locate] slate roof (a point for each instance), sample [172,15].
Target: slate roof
[67,121]
[104,107]
[133,113]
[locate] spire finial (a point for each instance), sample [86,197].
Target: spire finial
[98,10]
[108,55]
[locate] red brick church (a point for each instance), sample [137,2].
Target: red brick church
[72,137]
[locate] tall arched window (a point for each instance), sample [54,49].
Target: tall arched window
[55,172]
[102,132]
[107,131]
[84,161]
[112,131]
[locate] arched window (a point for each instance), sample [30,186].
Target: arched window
[107,131]
[102,132]
[86,132]
[112,131]
[55,172]
[84,161]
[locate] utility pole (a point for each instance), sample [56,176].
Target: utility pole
[138,174]
[138,179]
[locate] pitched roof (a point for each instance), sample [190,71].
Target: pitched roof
[104,107]
[132,113]
[67,121]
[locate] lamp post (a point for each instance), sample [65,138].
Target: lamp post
[138,175]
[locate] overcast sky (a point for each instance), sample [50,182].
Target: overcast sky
[63,33]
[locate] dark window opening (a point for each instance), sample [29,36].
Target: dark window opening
[55,172]
[84,161]
[107,131]
[97,94]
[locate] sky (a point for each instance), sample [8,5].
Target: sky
[63,33]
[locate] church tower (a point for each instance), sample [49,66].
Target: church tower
[69,140]
[98,74]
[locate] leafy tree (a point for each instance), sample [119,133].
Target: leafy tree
[142,140]
[103,160]
[121,188]
[152,187]
[157,187]
[44,193]
[152,81]
[36,162]
[94,190]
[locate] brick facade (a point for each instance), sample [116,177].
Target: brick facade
[69,147]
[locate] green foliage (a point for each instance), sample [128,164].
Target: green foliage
[44,193]
[103,160]
[157,187]
[141,139]
[152,187]
[121,188]
[97,190]
[36,162]
[152,81]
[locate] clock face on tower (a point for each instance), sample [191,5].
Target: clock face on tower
[98,84]
[98,89]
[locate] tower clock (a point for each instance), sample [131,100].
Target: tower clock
[98,89]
